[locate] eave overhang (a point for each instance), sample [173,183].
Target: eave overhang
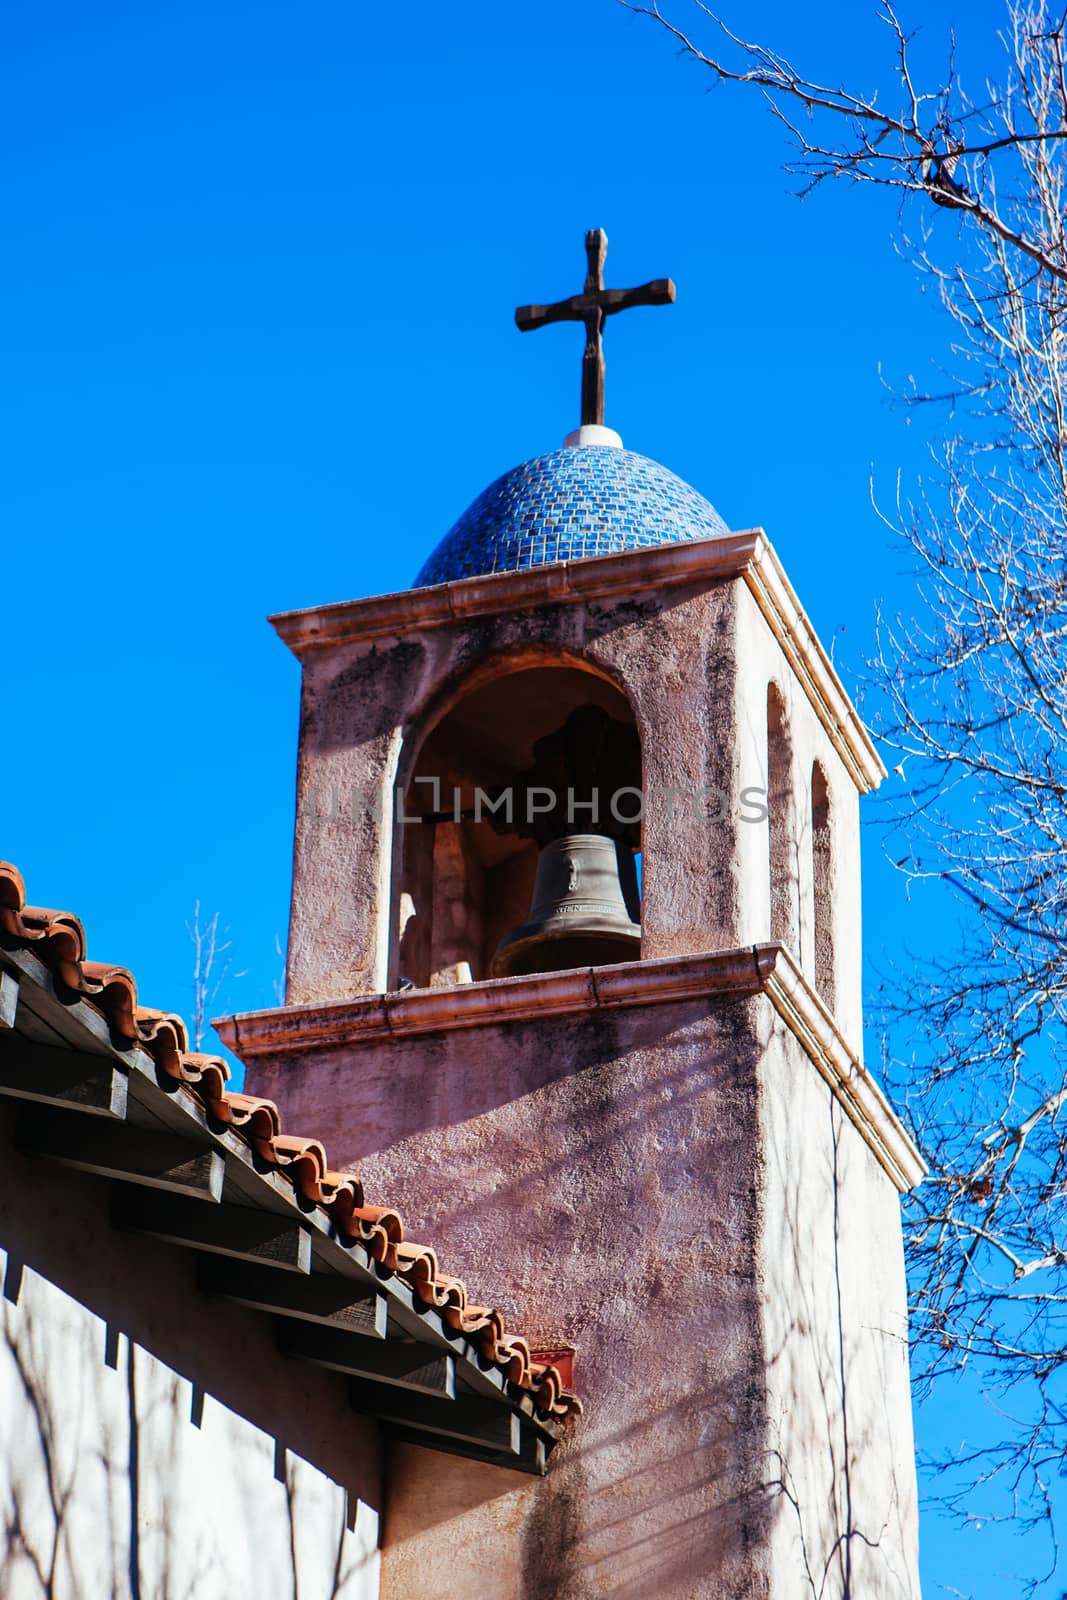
[88,1099]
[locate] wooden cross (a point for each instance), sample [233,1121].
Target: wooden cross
[591,307]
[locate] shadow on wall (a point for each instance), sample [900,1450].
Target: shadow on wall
[629,1513]
[635,1513]
[171,1459]
[416,1084]
[724,1265]
[840,1455]
[563,1146]
[108,1490]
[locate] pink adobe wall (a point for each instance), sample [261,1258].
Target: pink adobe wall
[663,1185]
[364,705]
[603,1179]
[694,659]
[595,1178]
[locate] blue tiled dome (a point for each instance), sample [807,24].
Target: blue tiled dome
[584,500]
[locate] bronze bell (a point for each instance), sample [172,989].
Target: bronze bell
[585,909]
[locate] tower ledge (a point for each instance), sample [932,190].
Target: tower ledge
[767,969]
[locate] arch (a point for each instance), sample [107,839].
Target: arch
[467,680]
[781,824]
[822,875]
[463,867]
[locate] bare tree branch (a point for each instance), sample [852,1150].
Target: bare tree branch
[212,964]
[969,694]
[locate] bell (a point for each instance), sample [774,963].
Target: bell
[585,909]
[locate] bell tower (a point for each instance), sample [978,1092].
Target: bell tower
[574,977]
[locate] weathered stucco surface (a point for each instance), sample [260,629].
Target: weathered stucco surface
[107,1487]
[694,659]
[628,1183]
[367,705]
[834,1309]
[760,662]
[672,1188]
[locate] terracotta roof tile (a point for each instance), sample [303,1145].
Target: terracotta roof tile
[58,939]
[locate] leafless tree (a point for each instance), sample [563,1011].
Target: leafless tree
[212,964]
[970,693]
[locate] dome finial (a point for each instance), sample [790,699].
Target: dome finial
[591,307]
[592,433]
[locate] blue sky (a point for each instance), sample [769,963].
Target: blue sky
[259,265]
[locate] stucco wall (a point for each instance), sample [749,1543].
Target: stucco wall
[761,661]
[365,705]
[656,1185]
[602,1178]
[695,661]
[831,1274]
[594,1177]
[107,1485]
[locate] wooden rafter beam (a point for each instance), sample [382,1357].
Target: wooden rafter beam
[9,998]
[267,1237]
[414,1367]
[326,1298]
[532,1456]
[467,1418]
[122,1150]
[94,1084]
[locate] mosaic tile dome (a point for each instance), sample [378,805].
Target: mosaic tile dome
[585,500]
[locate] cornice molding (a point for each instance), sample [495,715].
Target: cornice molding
[767,969]
[591,577]
[776,598]
[807,1018]
[747,555]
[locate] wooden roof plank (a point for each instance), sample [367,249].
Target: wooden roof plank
[477,1422]
[121,1150]
[409,1366]
[93,1084]
[226,1230]
[329,1299]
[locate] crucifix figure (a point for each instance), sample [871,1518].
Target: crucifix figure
[591,307]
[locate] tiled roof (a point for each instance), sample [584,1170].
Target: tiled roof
[584,500]
[57,938]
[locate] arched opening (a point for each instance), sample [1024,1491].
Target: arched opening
[822,874]
[529,760]
[781,821]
